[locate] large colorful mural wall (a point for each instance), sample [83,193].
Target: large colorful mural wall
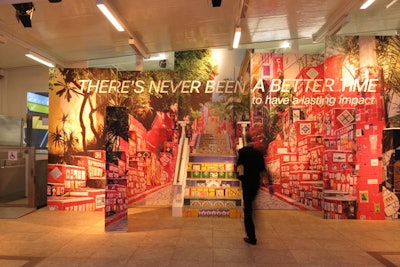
[327,124]
[131,152]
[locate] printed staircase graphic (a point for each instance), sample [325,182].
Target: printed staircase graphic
[212,189]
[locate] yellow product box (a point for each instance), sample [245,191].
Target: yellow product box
[196,167]
[194,192]
[211,192]
[220,167]
[203,192]
[219,192]
[205,166]
[230,167]
[189,168]
[211,167]
[231,192]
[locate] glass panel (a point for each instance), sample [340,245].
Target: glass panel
[10,131]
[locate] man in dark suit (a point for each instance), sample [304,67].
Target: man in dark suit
[250,166]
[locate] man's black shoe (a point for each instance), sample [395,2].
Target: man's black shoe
[250,241]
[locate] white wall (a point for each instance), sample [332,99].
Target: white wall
[16,83]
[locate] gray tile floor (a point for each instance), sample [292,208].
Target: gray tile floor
[155,238]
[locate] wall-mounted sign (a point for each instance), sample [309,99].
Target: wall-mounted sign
[12,155]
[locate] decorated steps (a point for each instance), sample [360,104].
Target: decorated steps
[212,189]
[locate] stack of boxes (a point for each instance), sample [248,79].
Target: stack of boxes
[311,148]
[97,196]
[212,190]
[95,167]
[116,201]
[64,178]
[71,185]
[71,203]
[116,205]
[299,158]
[325,156]
[138,173]
[340,207]
[370,124]
[337,150]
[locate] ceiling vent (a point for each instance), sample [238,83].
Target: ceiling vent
[216,3]
[24,12]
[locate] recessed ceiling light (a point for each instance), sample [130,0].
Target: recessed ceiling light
[285,44]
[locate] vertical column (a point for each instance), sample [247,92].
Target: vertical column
[242,141]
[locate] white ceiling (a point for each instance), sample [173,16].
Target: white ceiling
[75,33]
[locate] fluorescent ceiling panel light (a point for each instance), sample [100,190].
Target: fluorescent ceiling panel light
[106,11]
[40,59]
[367,4]
[391,3]
[236,38]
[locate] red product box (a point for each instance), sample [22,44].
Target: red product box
[338,118]
[98,196]
[293,114]
[143,153]
[305,128]
[294,166]
[340,207]
[71,203]
[55,189]
[306,175]
[59,173]
[316,155]
[311,141]
[97,154]
[289,157]
[95,168]
[112,170]
[346,137]
[330,143]
[337,160]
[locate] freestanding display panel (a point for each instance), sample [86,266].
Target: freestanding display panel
[117,127]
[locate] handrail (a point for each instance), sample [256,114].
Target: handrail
[178,161]
[182,142]
[181,161]
[180,177]
[180,172]
[184,162]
